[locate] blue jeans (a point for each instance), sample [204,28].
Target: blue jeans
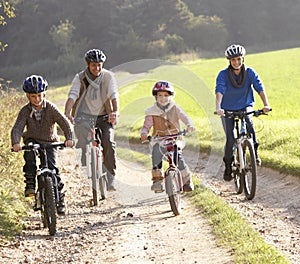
[157,155]
[228,125]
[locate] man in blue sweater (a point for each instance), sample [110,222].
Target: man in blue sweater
[235,87]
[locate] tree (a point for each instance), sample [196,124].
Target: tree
[6,11]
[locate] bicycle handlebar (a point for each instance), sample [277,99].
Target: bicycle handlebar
[174,136]
[90,118]
[60,145]
[242,113]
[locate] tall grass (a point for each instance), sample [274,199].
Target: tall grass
[12,203]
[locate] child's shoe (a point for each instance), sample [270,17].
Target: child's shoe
[30,185]
[157,186]
[188,185]
[157,178]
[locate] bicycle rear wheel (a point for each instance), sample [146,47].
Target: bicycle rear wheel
[94,176]
[250,169]
[49,206]
[173,191]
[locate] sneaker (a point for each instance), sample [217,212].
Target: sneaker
[157,186]
[61,209]
[258,161]
[227,173]
[188,187]
[111,183]
[111,187]
[29,192]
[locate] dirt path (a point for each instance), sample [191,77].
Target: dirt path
[136,226]
[133,226]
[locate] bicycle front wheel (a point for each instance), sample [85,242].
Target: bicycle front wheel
[49,206]
[237,176]
[250,169]
[101,175]
[173,190]
[94,175]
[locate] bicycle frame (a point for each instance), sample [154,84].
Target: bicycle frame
[47,194]
[246,166]
[172,176]
[94,158]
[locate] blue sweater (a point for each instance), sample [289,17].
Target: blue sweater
[238,98]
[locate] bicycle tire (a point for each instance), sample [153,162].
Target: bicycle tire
[102,176]
[237,176]
[250,170]
[103,186]
[173,191]
[95,179]
[49,206]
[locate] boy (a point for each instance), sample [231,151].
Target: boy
[39,117]
[165,116]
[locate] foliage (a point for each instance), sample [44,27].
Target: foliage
[8,12]
[12,204]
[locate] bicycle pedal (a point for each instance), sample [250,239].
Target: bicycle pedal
[35,208]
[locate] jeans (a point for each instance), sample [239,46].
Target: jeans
[157,155]
[228,125]
[82,130]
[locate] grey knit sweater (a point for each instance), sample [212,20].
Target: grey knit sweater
[44,130]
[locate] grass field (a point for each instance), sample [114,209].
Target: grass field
[195,82]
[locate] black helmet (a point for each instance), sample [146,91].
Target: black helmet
[35,84]
[95,55]
[235,51]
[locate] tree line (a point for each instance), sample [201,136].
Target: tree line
[50,37]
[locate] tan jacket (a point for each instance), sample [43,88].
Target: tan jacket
[165,122]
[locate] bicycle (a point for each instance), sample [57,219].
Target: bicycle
[172,177]
[47,196]
[94,160]
[244,168]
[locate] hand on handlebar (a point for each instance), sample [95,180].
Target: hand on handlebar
[144,137]
[17,147]
[190,129]
[266,109]
[69,143]
[220,112]
[112,118]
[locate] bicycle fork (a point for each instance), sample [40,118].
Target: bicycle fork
[241,155]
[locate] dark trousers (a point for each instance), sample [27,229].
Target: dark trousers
[228,125]
[30,158]
[82,132]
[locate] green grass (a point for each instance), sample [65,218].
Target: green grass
[195,82]
[12,204]
[233,230]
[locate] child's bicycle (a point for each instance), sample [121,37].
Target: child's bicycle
[94,160]
[172,177]
[244,168]
[47,194]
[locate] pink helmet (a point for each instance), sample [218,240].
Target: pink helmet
[162,86]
